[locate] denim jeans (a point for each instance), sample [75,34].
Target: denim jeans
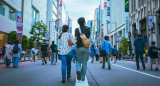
[8,61]
[66,62]
[15,61]
[84,68]
[53,59]
[74,54]
[108,61]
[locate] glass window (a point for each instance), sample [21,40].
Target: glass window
[35,15]
[11,14]
[2,8]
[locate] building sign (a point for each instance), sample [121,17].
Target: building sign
[47,36]
[126,6]
[151,20]
[108,11]
[19,24]
[105,4]
[126,24]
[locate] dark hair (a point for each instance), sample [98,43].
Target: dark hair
[153,43]
[16,42]
[106,37]
[81,21]
[65,28]
[9,42]
[52,42]
[92,45]
[44,40]
[114,46]
[139,35]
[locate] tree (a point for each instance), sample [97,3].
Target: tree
[25,42]
[124,45]
[12,36]
[30,42]
[38,31]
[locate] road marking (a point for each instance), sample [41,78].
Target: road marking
[82,83]
[137,71]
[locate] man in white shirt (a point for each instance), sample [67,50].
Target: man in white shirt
[33,53]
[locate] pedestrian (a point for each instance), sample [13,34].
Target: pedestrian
[54,52]
[92,53]
[44,50]
[107,47]
[114,53]
[139,44]
[119,54]
[100,57]
[129,55]
[66,53]
[0,53]
[17,50]
[3,52]
[9,53]
[97,53]
[153,53]
[133,54]
[33,53]
[82,53]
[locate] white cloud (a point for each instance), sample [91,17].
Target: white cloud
[81,8]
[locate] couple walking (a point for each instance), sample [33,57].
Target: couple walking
[66,50]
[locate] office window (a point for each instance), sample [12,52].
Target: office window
[2,8]
[11,14]
[35,15]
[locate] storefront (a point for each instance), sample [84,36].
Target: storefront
[3,39]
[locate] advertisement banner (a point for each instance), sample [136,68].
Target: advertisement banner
[47,36]
[19,24]
[126,24]
[150,20]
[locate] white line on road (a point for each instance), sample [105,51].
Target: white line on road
[137,71]
[82,83]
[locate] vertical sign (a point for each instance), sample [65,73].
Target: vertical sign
[19,24]
[126,18]
[150,20]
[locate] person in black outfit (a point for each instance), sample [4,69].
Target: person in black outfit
[44,49]
[153,53]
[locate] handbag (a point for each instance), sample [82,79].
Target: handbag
[85,41]
[70,42]
[103,52]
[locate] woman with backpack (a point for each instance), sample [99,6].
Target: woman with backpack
[8,55]
[114,53]
[66,41]
[17,50]
[153,53]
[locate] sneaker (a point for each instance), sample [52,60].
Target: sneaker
[63,80]
[42,63]
[83,79]
[109,68]
[137,68]
[45,62]
[100,61]
[68,77]
[91,61]
[54,63]
[103,67]
[78,75]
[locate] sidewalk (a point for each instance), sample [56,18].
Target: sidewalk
[22,60]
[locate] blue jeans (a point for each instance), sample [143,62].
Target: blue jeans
[84,68]
[74,54]
[53,59]
[66,62]
[15,61]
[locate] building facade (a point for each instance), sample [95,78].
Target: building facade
[141,23]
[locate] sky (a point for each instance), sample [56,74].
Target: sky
[80,8]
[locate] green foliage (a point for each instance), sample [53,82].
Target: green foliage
[124,46]
[25,42]
[12,36]
[38,31]
[30,42]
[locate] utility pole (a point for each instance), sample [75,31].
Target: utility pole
[147,27]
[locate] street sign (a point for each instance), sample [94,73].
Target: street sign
[19,20]
[19,35]
[19,28]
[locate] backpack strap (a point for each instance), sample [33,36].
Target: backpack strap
[80,31]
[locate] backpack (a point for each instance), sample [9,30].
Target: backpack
[155,51]
[33,52]
[15,49]
[54,48]
[44,47]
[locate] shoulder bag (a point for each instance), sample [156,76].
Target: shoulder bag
[85,41]
[103,52]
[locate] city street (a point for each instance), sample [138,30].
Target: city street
[123,73]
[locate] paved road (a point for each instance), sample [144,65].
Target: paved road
[123,73]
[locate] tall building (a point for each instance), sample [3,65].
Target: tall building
[33,10]
[52,20]
[117,21]
[145,20]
